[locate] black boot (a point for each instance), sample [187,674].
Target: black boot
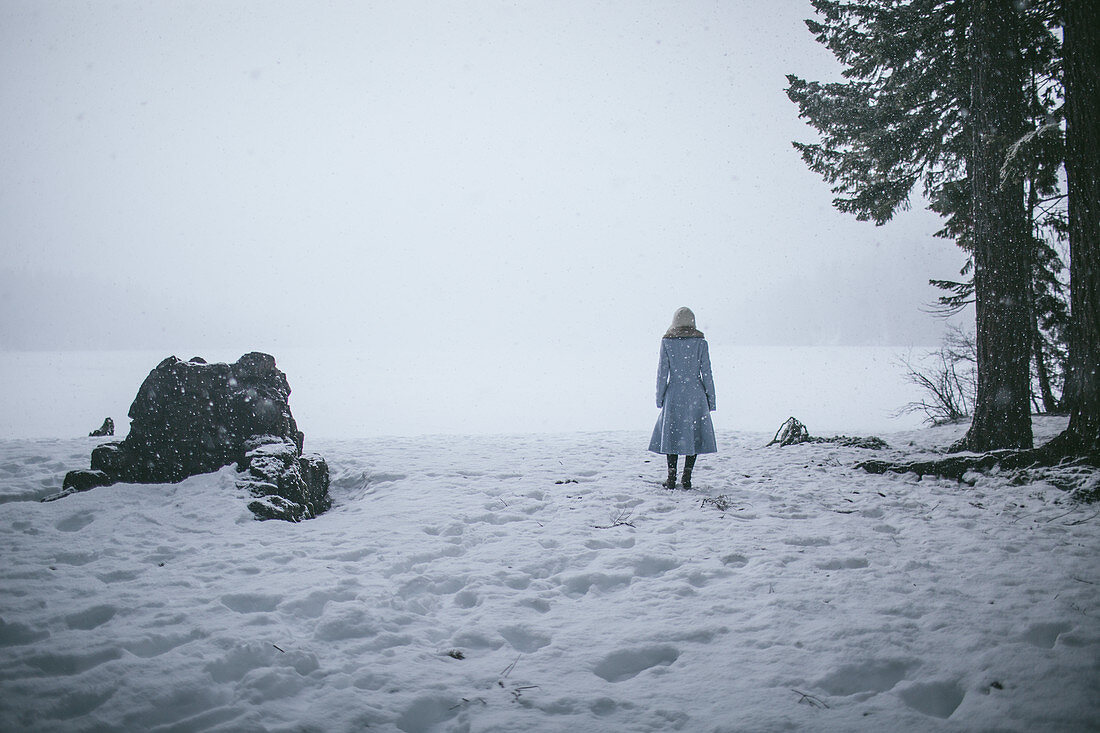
[689,463]
[671,483]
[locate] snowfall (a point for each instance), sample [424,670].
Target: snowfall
[548,582]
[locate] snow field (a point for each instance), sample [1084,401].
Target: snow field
[547,582]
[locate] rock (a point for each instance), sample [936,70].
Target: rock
[76,481]
[107,428]
[190,417]
[286,484]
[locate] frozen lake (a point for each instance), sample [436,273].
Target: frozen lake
[494,387]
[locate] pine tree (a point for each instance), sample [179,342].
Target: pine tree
[934,94]
[1037,157]
[901,118]
[1002,416]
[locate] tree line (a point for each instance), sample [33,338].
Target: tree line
[990,107]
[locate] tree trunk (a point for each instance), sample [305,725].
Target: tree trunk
[1038,355]
[1042,373]
[1002,418]
[1081,51]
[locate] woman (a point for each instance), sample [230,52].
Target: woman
[685,394]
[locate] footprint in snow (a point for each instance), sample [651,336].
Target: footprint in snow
[735,561]
[540,605]
[72,664]
[1045,635]
[80,702]
[425,713]
[624,542]
[524,639]
[250,602]
[578,585]
[76,558]
[16,634]
[935,699]
[846,564]
[74,523]
[650,566]
[378,478]
[90,618]
[807,541]
[866,677]
[154,645]
[313,604]
[628,663]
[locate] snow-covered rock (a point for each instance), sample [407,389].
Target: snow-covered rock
[191,417]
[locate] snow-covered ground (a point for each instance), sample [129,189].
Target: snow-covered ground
[548,583]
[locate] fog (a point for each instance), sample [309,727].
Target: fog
[265,175]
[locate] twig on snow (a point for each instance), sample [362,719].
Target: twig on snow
[466,702]
[618,520]
[517,692]
[811,700]
[508,670]
[1066,514]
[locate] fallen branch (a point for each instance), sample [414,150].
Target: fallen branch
[811,700]
[792,432]
[721,503]
[618,520]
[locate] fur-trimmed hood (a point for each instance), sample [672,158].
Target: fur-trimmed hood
[683,326]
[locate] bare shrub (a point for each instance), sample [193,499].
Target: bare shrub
[948,378]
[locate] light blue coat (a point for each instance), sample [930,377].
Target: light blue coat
[685,394]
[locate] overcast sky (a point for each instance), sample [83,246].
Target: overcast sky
[261,174]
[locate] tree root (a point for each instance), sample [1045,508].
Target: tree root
[1061,452]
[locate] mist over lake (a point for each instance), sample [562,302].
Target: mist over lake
[483,388]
